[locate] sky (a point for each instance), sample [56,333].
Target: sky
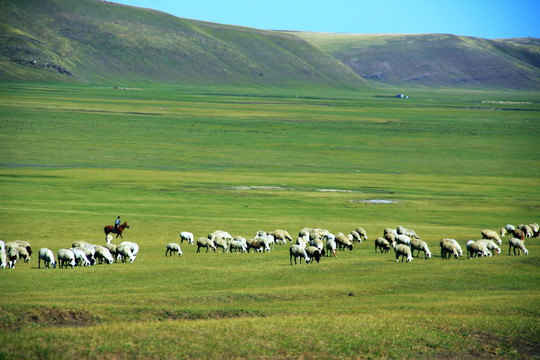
[490,19]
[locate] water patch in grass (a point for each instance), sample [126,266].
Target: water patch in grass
[280,188]
[375,201]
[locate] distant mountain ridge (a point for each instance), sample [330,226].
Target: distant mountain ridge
[436,60]
[100,42]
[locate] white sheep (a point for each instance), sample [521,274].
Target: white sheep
[362,232]
[108,239]
[48,258]
[281,236]
[125,253]
[23,253]
[237,245]
[103,254]
[450,247]
[220,243]
[3,259]
[206,243]
[298,252]
[420,245]
[12,256]
[134,247]
[527,230]
[536,229]
[80,257]
[355,236]
[491,235]
[389,231]
[382,244]
[517,244]
[343,241]
[302,241]
[112,251]
[65,258]
[2,246]
[403,239]
[314,252]
[223,234]
[490,245]
[186,236]
[264,241]
[173,247]
[331,247]
[89,250]
[475,249]
[404,251]
[404,231]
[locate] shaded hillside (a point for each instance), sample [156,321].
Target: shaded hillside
[102,42]
[436,59]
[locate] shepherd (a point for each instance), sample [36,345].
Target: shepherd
[116,223]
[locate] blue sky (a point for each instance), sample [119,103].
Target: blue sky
[489,19]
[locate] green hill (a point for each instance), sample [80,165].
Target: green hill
[438,60]
[102,42]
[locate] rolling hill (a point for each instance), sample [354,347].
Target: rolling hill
[436,60]
[101,42]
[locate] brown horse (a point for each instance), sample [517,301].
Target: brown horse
[109,229]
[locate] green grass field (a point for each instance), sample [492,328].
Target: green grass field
[246,159]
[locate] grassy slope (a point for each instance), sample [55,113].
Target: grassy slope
[435,60]
[172,159]
[102,42]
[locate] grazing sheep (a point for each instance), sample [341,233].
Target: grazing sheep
[26,245]
[331,247]
[186,236]
[2,246]
[314,252]
[403,239]
[391,237]
[223,234]
[305,232]
[527,230]
[254,244]
[3,259]
[518,234]
[103,254]
[450,247]
[264,242]
[242,240]
[490,245]
[491,235]
[355,236]
[420,245]
[65,258]
[404,251]
[389,231]
[12,256]
[48,258]
[237,245]
[536,229]
[404,231]
[206,243]
[23,253]
[220,243]
[517,244]
[281,236]
[476,249]
[503,232]
[134,247]
[112,250]
[362,232]
[382,244]
[173,247]
[80,257]
[124,251]
[89,250]
[302,241]
[343,241]
[108,239]
[298,252]
[319,244]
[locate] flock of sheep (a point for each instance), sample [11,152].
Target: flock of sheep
[310,245]
[81,253]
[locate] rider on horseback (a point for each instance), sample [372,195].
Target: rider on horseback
[116,223]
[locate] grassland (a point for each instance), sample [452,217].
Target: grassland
[242,160]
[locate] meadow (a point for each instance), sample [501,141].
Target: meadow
[166,159]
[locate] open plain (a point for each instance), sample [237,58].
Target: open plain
[447,163]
